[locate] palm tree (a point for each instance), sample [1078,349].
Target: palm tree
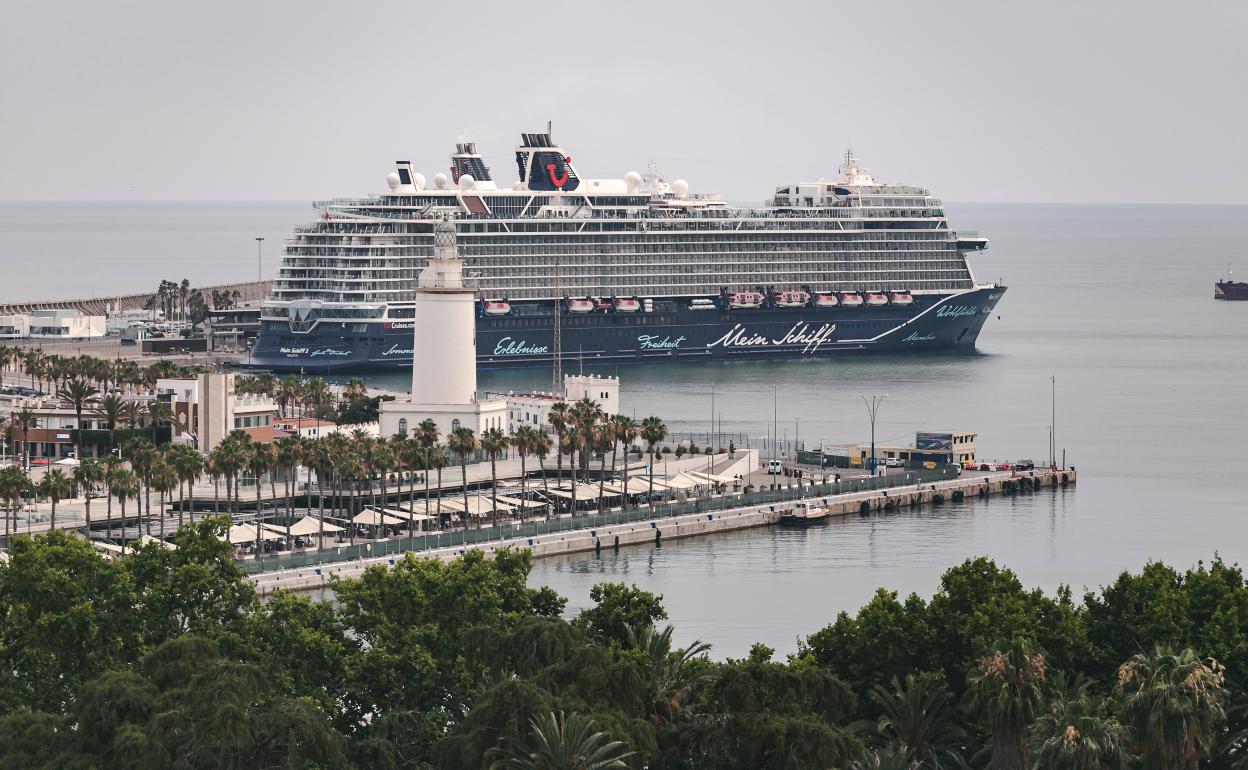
[315,391]
[187,464]
[142,457]
[289,454]
[603,436]
[1006,689]
[25,419]
[494,443]
[88,473]
[541,447]
[1174,703]
[586,414]
[626,432]
[428,437]
[438,459]
[559,418]
[463,443]
[124,486]
[287,392]
[14,484]
[917,720]
[78,392]
[316,455]
[562,742]
[671,679]
[1080,733]
[523,439]
[164,480]
[157,412]
[653,430]
[111,409]
[55,486]
[383,461]
[260,460]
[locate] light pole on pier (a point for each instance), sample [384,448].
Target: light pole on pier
[259,263]
[873,409]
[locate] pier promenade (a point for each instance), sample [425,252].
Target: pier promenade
[650,525]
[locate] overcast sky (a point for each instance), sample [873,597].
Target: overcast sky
[980,101]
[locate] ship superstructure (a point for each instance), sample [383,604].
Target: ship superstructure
[644,268]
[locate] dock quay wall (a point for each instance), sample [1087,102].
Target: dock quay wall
[656,531]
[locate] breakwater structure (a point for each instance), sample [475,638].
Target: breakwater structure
[248,291]
[652,525]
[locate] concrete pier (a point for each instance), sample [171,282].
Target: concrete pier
[656,531]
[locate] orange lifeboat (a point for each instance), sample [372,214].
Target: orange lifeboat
[851,299]
[627,305]
[876,299]
[901,298]
[580,305]
[745,300]
[826,300]
[497,307]
[792,299]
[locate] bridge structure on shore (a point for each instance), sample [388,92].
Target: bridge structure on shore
[249,291]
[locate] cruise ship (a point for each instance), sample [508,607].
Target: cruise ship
[635,269]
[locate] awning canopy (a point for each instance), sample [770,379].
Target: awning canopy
[519,502]
[311,526]
[636,486]
[710,477]
[584,492]
[376,518]
[477,506]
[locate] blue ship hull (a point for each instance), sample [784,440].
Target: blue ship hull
[673,332]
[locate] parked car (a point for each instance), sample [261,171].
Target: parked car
[1003,467]
[1024,465]
[894,462]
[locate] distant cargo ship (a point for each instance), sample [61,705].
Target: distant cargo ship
[634,269]
[1228,289]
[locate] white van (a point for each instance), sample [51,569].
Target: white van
[774,466]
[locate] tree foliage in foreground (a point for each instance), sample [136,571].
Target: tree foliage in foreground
[167,658]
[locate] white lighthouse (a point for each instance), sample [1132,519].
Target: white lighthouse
[444,351]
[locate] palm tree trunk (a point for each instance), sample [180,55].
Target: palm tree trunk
[524,485]
[257,514]
[493,492]
[123,526]
[602,478]
[463,473]
[109,511]
[320,494]
[162,512]
[87,502]
[439,494]
[541,462]
[52,524]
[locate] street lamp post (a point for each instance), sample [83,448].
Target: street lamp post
[259,269]
[873,409]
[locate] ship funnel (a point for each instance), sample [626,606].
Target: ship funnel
[543,166]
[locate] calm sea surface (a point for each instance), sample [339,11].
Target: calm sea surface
[1113,301]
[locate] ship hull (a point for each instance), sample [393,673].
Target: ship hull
[1230,290]
[672,333]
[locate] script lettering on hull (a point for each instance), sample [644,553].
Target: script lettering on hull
[509,347]
[801,334]
[655,342]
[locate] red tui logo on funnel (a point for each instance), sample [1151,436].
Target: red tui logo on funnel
[558,181]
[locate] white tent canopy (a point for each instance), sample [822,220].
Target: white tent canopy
[477,506]
[406,515]
[584,492]
[517,502]
[375,518]
[710,477]
[311,526]
[636,486]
